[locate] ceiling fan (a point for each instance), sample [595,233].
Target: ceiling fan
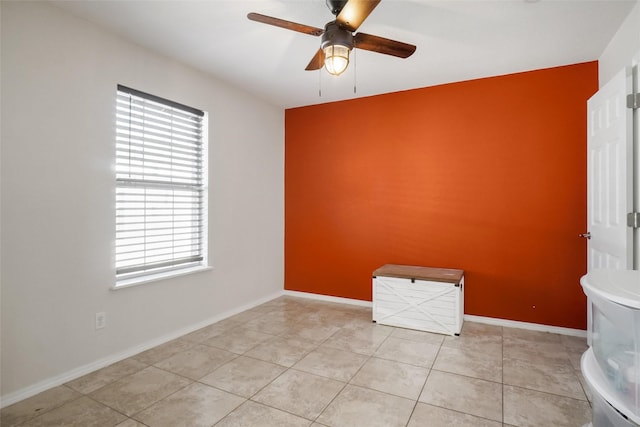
[338,38]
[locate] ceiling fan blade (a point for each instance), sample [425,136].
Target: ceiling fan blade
[293,26]
[382,45]
[355,12]
[317,61]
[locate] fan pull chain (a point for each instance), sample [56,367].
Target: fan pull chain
[320,83]
[354,69]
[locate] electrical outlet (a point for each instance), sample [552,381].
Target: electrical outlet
[101,320]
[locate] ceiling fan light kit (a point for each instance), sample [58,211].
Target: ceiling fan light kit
[336,45]
[338,38]
[336,59]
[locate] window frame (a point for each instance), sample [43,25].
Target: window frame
[186,191]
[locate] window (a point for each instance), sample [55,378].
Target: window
[160,186]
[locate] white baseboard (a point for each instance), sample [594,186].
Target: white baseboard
[327,298]
[71,375]
[525,325]
[468,317]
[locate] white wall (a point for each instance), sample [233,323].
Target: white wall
[59,77]
[621,49]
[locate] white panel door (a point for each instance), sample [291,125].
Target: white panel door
[636,161]
[609,175]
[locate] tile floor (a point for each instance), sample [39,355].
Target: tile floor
[298,362]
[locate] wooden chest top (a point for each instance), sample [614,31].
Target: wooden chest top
[420,273]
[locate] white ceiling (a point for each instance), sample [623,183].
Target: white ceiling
[457,40]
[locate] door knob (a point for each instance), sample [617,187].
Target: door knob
[586,235]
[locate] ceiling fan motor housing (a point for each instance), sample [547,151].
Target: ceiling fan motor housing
[335,6]
[334,35]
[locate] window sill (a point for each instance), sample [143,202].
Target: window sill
[127,283]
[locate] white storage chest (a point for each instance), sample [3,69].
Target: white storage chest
[422,298]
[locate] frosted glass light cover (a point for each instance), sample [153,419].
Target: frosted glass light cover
[336,59]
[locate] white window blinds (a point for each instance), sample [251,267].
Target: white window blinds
[159,185]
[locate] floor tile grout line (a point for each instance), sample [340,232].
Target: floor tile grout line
[115,380]
[461,412]
[286,369]
[415,405]
[547,393]
[103,404]
[345,383]
[466,376]
[217,388]
[165,397]
[329,403]
[132,416]
[53,408]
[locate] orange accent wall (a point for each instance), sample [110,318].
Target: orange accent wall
[488,176]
